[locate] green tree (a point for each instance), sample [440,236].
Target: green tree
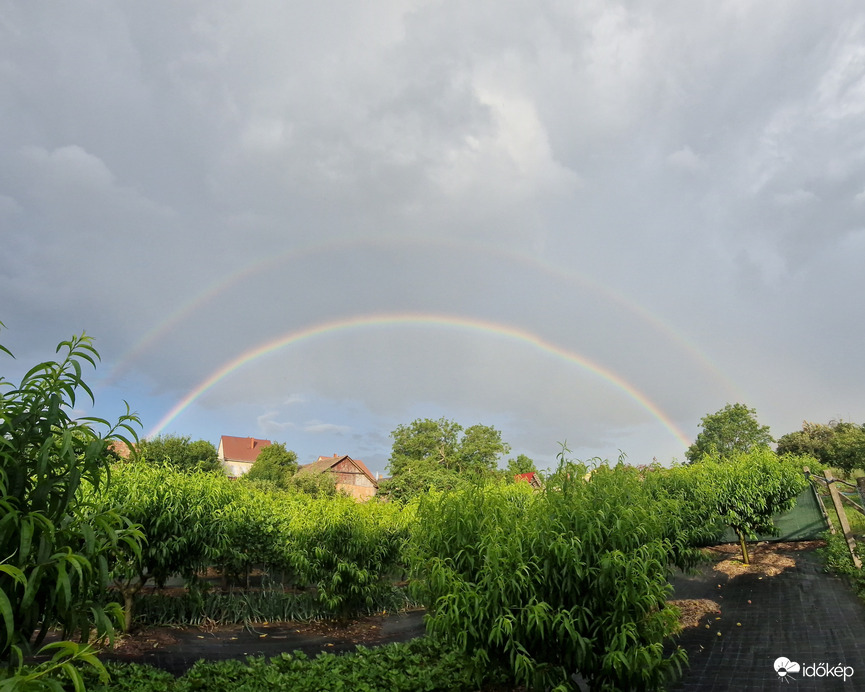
[435,440]
[275,464]
[440,454]
[573,579]
[813,440]
[848,448]
[480,450]
[749,488]
[178,512]
[55,546]
[314,485]
[181,452]
[732,429]
[522,464]
[839,444]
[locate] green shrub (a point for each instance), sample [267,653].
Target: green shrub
[418,666]
[348,553]
[546,584]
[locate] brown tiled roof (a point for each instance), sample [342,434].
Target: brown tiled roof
[322,464]
[242,448]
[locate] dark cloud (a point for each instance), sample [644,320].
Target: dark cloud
[673,194]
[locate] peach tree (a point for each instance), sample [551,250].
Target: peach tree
[570,580]
[56,547]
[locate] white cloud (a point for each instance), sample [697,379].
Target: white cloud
[268,424]
[319,427]
[70,165]
[795,198]
[686,159]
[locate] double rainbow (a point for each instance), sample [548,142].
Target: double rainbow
[402,319]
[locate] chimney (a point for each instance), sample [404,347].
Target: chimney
[252,443]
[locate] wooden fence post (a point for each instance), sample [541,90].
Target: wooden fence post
[820,502]
[842,517]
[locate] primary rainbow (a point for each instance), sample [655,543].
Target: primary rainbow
[416,319]
[182,311]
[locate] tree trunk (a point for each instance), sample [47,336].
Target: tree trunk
[745,558]
[129,592]
[128,607]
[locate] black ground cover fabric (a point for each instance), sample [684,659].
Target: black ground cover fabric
[802,614]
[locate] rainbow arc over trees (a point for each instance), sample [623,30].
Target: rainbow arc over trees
[181,312]
[431,320]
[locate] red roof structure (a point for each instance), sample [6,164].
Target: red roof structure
[238,454]
[241,448]
[530,478]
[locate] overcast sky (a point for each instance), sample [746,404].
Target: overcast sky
[591,222]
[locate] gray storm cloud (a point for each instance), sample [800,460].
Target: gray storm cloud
[672,192]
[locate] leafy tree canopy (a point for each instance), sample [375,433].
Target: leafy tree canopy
[181,452]
[732,429]
[839,444]
[749,488]
[440,454]
[274,464]
[315,485]
[522,464]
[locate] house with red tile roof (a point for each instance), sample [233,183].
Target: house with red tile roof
[238,454]
[530,478]
[351,475]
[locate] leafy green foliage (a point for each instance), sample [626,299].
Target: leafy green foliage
[355,551]
[176,511]
[349,552]
[522,464]
[839,444]
[180,452]
[732,429]
[56,546]
[749,488]
[547,583]
[439,454]
[275,464]
[421,665]
[313,484]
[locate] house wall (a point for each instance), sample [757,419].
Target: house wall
[235,468]
[352,481]
[356,491]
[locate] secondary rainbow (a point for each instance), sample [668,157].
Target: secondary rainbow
[181,312]
[433,320]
